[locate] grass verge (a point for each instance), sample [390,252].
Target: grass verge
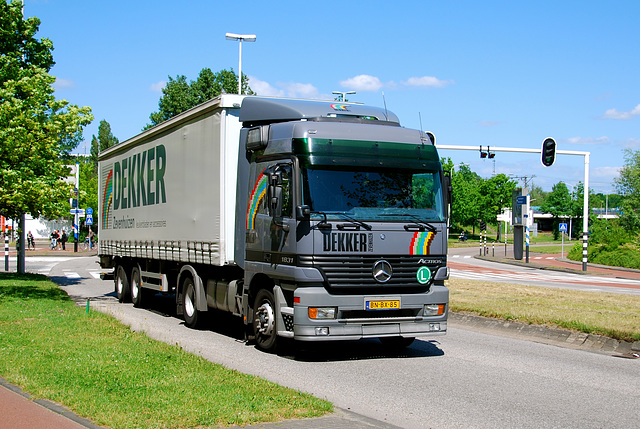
[103,371]
[612,315]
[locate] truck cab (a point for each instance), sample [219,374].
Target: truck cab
[345,224]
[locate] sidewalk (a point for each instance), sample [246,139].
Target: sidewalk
[19,411]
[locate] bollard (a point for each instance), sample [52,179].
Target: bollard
[87,305]
[6,253]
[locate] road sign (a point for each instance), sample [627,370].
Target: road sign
[89,211]
[89,221]
[522,199]
[563,227]
[77,211]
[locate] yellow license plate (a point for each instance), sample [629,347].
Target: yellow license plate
[383,305]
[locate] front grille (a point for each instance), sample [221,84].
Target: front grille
[343,273]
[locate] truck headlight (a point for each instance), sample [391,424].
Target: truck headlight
[322,312]
[433,310]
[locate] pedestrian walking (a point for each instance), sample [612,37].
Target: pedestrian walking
[91,238]
[63,239]
[30,241]
[54,239]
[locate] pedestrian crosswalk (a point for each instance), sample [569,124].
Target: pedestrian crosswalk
[72,275]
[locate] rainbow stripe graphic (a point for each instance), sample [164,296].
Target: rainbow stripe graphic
[421,242]
[340,107]
[106,199]
[258,193]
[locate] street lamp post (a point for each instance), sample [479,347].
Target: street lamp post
[240,38]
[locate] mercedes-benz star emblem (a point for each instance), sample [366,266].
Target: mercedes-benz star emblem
[382,271]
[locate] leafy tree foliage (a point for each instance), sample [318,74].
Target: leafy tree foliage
[37,131]
[465,205]
[103,142]
[629,181]
[179,95]
[629,185]
[559,202]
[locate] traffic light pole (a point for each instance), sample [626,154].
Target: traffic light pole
[585,217]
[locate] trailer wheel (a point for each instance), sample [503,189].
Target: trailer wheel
[122,284]
[138,293]
[192,317]
[264,321]
[397,343]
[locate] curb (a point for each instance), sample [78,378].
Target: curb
[548,335]
[339,419]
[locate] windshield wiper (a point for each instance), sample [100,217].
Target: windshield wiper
[354,221]
[419,223]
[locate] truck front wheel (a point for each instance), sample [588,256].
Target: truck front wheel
[192,317]
[122,284]
[264,321]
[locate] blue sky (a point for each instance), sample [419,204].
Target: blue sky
[490,73]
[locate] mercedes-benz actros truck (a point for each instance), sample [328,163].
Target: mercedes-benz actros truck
[309,220]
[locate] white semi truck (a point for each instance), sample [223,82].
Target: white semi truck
[309,220]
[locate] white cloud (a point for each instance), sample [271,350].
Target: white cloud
[63,84]
[362,82]
[282,89]
[263,88]
[158,86]
[588,140]
[427,82]
[368,83]
[607,172]
[631,143]
[614,114]
[300,90]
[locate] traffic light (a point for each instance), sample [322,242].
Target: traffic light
[548,152]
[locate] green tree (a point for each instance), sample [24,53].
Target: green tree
[628,184]
[538,196]
[179,95]
[465,207]
[36,130]
[103,142]
[495,195]
[88,187]
[560,204]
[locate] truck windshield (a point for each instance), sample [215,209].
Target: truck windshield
[373,194]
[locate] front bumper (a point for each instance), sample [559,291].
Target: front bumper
[353,321]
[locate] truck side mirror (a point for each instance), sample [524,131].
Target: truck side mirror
[303,212]
[275,193]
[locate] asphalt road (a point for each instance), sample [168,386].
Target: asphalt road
[464,379]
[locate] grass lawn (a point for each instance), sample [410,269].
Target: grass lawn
[612,315]
[103,371]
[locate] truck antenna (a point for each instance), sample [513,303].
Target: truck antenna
[420,116]
[386,114]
